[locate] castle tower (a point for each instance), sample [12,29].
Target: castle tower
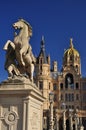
[43,80]
[69,81]
[43,73]
[71,59]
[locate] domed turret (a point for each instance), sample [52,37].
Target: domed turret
[72,58]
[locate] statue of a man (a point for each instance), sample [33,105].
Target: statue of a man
[10,63]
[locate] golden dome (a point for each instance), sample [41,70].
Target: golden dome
[71,51]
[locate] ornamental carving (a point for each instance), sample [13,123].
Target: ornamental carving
[10,117]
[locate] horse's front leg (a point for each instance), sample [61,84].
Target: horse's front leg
[21,57]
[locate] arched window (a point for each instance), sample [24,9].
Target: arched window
[76,68]
[71,57]
[69,81]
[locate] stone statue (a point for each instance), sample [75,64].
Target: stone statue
[19,57]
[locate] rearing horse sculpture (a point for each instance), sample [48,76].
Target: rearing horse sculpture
[21,40]
[23,50]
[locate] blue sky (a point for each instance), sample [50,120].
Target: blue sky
[57,20]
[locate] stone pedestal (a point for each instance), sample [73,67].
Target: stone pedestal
[21,105]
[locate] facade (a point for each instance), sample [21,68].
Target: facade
[68,87]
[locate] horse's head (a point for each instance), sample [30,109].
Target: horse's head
[22,24]
[18,25]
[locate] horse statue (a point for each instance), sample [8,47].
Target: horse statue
[23,50]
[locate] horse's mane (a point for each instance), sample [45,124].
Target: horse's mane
[29,26]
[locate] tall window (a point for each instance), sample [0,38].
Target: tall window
[77,96]
[61,85]
[41,61]
[61,96]
[55,97]
[72,97]
[77,85]
[49,85]
[66,97]
[84,85]
[69,97]
[76,68]
[54,86]
[41,85]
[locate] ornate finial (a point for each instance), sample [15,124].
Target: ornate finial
[42,38]
[71,42]
[42,43]
[42,52]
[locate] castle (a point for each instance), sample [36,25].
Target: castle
[68,87]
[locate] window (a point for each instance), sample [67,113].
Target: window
[77,85]
[66,107]
[61,85]
[54,86]
[77,96]
[41,67]
[84,107]
[77,107]
[76,68]
[41,61]
[69,97]
[41,85]
[72,107]
[61,97]
[72,97]
[84,98]
[71,57]
[49,85]
[55,97]
[84,85]
[66,97]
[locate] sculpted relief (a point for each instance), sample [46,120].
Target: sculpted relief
[19,56]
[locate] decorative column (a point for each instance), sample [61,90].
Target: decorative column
[57,123]
[70,119]
[57,120]
[51,96]
[76,122]
[27,118]
[64,121]
[24,113]
[76,118]
[81,127]
[64,118]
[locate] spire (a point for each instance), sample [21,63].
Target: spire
[42,44]
[42,52]
[71,43]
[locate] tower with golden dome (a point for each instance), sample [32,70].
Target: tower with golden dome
[71,59]
[67,85]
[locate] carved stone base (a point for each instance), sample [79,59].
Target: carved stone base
[21,105]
